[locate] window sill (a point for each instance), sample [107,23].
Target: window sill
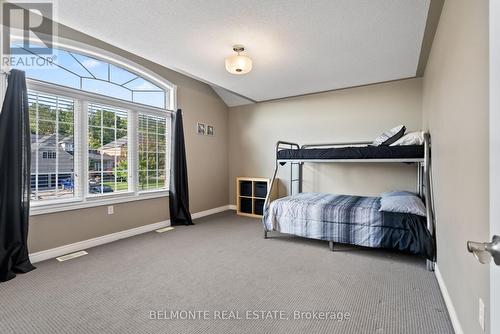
[90,202]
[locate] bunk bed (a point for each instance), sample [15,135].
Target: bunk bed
[348,219]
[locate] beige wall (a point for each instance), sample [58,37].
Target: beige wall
[346,115]
[207,159]
[57,229]
[455,104]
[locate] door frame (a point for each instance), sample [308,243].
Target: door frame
[494,153]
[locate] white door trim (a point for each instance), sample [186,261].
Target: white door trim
[494,94]
[455,322]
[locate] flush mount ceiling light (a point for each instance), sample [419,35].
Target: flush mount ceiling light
[238,64]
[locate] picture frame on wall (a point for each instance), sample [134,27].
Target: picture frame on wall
[200,128]
[210,130]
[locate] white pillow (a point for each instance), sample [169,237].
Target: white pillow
[389,137]
[412,138]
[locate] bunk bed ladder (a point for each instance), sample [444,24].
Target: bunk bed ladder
[298,178]
[283,145]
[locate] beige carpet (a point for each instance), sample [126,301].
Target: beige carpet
[223,264]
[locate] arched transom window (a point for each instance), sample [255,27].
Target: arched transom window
[78,71]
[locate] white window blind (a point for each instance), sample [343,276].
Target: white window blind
[108,150]
[52,146]
[153,152]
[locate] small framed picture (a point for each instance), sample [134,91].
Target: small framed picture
[200,128]
[210,130]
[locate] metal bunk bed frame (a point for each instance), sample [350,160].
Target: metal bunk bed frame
[424,176]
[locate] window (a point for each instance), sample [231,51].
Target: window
[107,149]
[52,164]
[91,142]
[152,152]
[49,155]
[92,75]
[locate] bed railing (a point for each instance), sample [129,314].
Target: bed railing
[359,143]
[427,192]
[424,175]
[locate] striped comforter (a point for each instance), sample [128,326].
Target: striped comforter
[349,219]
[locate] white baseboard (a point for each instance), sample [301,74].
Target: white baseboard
[449,304]
[232,207]
[210,212]
[85,244]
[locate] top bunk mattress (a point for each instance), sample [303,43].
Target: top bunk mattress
[354,152]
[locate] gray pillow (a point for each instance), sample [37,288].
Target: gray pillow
[402,202]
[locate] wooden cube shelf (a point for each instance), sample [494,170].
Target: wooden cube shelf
[251,193]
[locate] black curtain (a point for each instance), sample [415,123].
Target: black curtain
[15,160]
[179,194]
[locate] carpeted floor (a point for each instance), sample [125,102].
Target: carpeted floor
[224,264]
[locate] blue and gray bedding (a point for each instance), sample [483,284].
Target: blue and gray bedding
[352,220]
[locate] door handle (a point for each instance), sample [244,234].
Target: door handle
[484,251]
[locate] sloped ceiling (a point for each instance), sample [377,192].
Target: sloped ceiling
[298,47]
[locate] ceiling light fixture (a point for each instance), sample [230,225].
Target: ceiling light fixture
[238,64]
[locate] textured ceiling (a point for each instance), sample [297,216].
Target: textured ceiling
[298,47]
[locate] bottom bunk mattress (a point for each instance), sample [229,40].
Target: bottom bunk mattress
[352,220]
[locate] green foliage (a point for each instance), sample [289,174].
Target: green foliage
[47,117]
[121,170]
[107,119]
[94,138]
